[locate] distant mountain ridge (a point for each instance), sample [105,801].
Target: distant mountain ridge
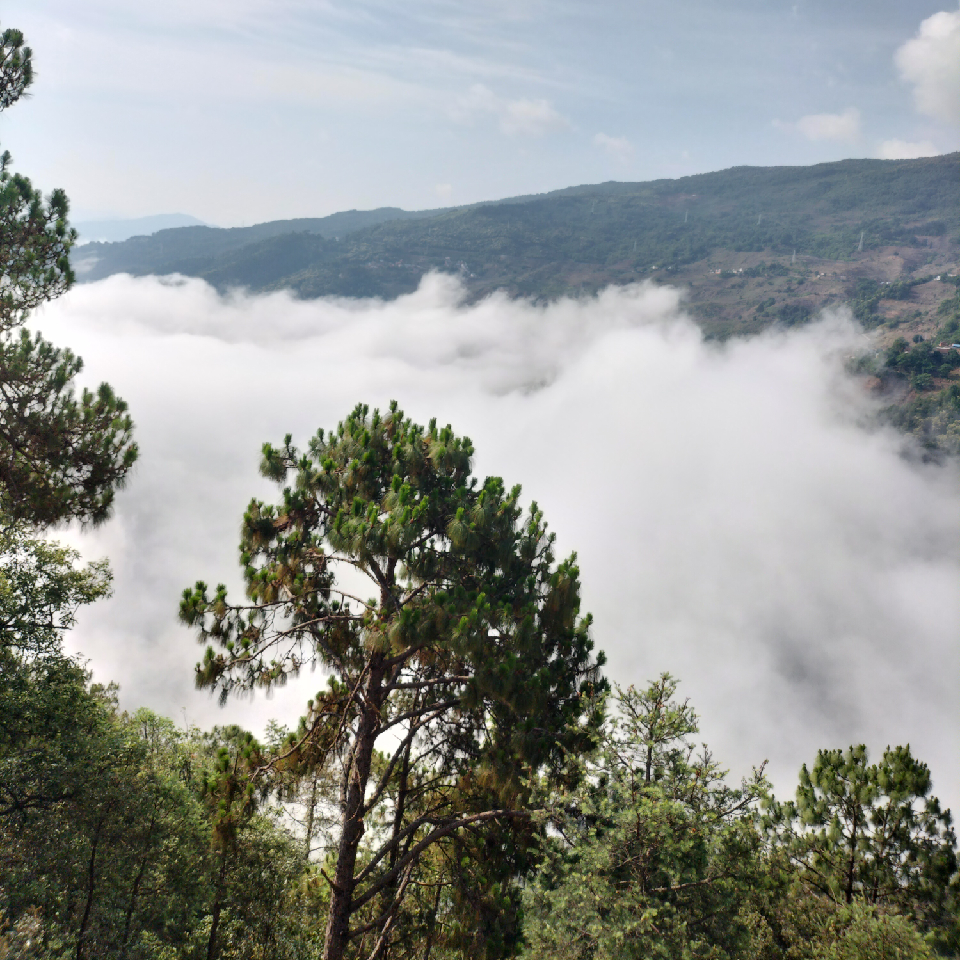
[189,248]
[752,245]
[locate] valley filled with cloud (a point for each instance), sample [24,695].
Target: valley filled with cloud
[738,520]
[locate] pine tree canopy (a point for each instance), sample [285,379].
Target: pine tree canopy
[871,832]
[35,238]
[468,668]
[34,245]
[62,456]
[16,67]
[651,852]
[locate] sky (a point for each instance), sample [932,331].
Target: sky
[240,111]
[736,522]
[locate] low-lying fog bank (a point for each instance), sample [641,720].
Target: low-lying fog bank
[735,524]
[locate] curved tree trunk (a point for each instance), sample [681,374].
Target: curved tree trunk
[341,894]
[217,906]
[91,884]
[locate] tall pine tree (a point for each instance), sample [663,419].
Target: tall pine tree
[467,668]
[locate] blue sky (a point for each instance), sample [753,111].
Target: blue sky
[238,111]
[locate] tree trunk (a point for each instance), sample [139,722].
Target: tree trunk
[217,906]
[432,926]
[341,895]
[853,860]
[91,883]
[311,814]
[135,891]
[401,804]
[389,896]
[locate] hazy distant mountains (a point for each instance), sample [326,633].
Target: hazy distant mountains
[114,231]
[752,244]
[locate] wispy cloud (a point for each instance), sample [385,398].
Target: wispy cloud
[531,118]
[519,117]
[620,148]
[931,62]
[843,127]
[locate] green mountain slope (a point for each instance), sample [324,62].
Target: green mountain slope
[761,220]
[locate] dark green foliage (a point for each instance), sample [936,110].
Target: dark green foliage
[788,922]
[228,252]
[793,314]
[866,934]
[61,456]
[41,691]
[74,849]
[652,855]
[923,357]
[46,719]
[117,861]
[868,293]
[16,67]
[41,588]
[34,243]
[932,418]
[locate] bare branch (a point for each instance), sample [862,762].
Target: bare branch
[438,833]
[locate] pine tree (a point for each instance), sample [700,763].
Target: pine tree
[873,833]
[62,456]
[468,668]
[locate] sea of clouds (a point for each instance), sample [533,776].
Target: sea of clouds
[738,521]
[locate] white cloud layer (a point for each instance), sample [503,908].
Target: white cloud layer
[906,150]
[843,127]
[520,117]
[734,523]
[931,62]
[620,148]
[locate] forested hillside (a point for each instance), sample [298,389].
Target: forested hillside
[196,250]
[802,236]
